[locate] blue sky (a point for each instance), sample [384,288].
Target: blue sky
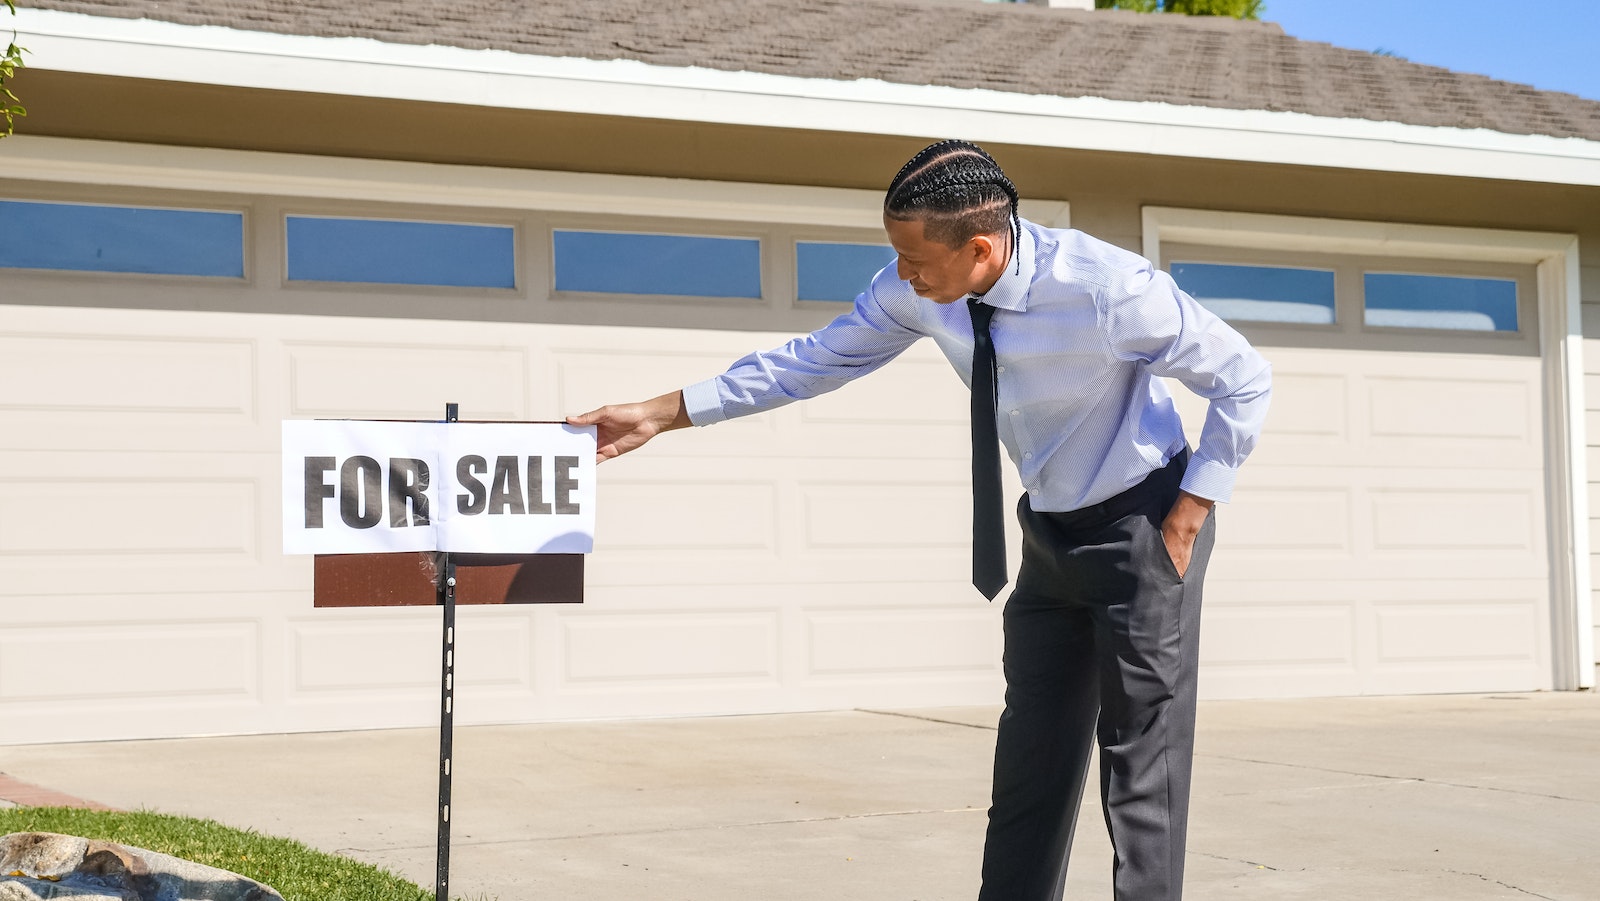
[1550,44]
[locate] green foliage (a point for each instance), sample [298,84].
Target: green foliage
[10,107]
[1239,9]
[297,872]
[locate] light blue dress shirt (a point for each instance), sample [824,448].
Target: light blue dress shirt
[1083,331]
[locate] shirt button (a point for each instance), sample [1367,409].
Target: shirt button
[1016,412]
[1000,369]
[1033,491]
[1028,455]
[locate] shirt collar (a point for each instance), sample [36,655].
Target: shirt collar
[1011,291]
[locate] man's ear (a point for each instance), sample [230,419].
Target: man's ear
[982,248]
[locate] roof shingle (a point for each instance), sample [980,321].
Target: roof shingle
[1191,61]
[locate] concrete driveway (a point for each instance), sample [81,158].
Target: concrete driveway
[1457,798]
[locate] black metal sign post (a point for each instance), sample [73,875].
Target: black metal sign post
[447,600]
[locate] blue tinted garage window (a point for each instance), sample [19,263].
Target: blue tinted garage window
[395,252]
[678,265]
[1441,302]
[1259,293]
[838,271]
[95,238]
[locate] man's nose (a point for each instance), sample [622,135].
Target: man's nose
[902,270]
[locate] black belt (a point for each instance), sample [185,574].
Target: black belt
[1163,480]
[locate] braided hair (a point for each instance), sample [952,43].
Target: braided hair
[958,191]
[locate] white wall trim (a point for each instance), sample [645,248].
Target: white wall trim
[73,42]
[1559,286]
[73,161]
[1555,257]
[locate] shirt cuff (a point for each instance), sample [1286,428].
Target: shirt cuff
[1209,479]
[703,403]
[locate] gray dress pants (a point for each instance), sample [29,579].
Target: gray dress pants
[1101,643]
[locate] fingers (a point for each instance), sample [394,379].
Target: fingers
[620,428]
[617,430]
[590,418]
[1179,549]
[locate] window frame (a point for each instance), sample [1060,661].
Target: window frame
[398,213]
[657,227]
[1523,286]
[1349,329]
[1208,256]
[875,238]
[513,226]
[164,201]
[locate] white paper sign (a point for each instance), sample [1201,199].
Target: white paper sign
[357,487]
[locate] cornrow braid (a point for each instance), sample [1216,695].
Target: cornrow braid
[959,192]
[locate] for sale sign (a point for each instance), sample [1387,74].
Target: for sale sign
[360,487]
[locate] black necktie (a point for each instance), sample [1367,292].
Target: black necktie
[988,518]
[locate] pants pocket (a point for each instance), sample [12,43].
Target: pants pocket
[1167,564]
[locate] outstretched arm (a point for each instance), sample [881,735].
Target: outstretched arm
[851,346]
[623,427]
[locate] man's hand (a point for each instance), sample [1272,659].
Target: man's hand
[623,427]
[1182,524]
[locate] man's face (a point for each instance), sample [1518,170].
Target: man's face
[940,273]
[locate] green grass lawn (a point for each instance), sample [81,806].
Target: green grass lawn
[296,871]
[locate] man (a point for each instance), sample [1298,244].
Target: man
[1068,337]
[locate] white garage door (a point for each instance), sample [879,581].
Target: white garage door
[1389,534]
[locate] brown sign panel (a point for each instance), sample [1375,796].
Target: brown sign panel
[408,579]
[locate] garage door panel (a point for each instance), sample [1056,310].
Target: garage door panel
[1466,409]
[79,523]
[1456,677]
[709,516]
[130,392]
[404,380]
[154,375]
[829,571]
[1242,568]
[1391,636]
[1459,520]
[219,659]
[1273,520]
[874,515]
[1318,635]
[136,518]
[612,648]
[900,640]
[391,652]
[1502,631]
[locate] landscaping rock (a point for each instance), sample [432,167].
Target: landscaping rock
[43,866]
